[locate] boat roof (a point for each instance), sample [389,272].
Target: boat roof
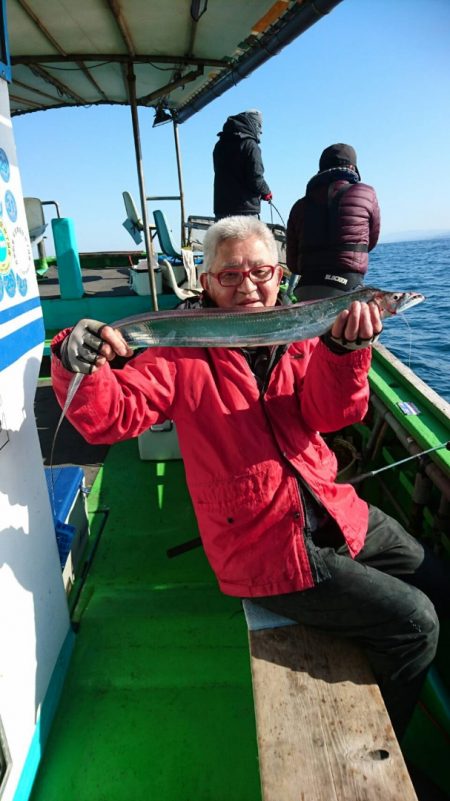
[183,53]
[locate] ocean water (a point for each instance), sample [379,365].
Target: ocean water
[421,336]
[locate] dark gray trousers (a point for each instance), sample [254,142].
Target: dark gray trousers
[385,599]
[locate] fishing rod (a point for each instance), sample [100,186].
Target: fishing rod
[196,542]
[372,473]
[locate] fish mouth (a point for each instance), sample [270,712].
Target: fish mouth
[413,299]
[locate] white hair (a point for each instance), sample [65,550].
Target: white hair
[238,227]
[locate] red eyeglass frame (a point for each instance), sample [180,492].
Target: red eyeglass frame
[244,273]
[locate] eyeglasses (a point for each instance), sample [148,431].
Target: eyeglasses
[257,275]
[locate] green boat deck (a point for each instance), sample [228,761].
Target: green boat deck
[157,702]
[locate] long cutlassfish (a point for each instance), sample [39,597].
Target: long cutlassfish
[235,328]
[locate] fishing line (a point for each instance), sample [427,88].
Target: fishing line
[73,386]
[408,325]
[271,203]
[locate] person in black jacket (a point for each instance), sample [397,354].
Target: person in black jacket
[239,181]
[331,230]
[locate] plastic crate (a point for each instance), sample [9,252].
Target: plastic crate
[140,281]
[68,501]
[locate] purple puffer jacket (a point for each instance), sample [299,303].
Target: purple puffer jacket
[333,226]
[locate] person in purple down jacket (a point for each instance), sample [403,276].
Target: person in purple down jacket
[331,229]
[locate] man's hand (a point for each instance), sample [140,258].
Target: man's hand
[267,197]
[90,345]
[357,327]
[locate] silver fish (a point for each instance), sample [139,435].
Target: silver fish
[222,328]
[244,327]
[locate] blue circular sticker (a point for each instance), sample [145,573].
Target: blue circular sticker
[9,281]
[4,165]
[11,206]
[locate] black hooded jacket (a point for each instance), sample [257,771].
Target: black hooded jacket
[238,169]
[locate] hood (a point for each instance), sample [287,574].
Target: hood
[334,174]
[246,125]
[338,155]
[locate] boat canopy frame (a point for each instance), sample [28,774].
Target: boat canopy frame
[182,60]
[173,57]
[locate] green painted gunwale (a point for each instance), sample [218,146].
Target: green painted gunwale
[392,382]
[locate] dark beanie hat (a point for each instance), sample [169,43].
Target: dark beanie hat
[338,156]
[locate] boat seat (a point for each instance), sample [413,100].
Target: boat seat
[168,249]
[36,230]
[322,727]
[164,236]
[133,222]
[35,219]
[183,291]
[179,267]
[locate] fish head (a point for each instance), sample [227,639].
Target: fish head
[391,303]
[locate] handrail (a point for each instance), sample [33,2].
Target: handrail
[179,197]
[51,203]
[164,197]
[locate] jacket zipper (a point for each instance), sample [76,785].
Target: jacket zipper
[299,478]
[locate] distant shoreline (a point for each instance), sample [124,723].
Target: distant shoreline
[413,236]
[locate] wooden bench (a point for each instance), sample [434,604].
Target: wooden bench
[323,730]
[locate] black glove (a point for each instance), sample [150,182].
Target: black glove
[341,345]
[79,351]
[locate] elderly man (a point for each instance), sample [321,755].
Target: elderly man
[274,524]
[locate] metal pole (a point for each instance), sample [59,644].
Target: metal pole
[142,193]
[180,183]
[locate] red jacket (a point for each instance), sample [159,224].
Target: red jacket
[242,452]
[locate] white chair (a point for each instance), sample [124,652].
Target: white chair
[168,276]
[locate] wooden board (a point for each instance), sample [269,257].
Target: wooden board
[323,730]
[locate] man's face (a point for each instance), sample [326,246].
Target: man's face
[242,255]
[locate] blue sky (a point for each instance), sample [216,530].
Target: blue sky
[373,73]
